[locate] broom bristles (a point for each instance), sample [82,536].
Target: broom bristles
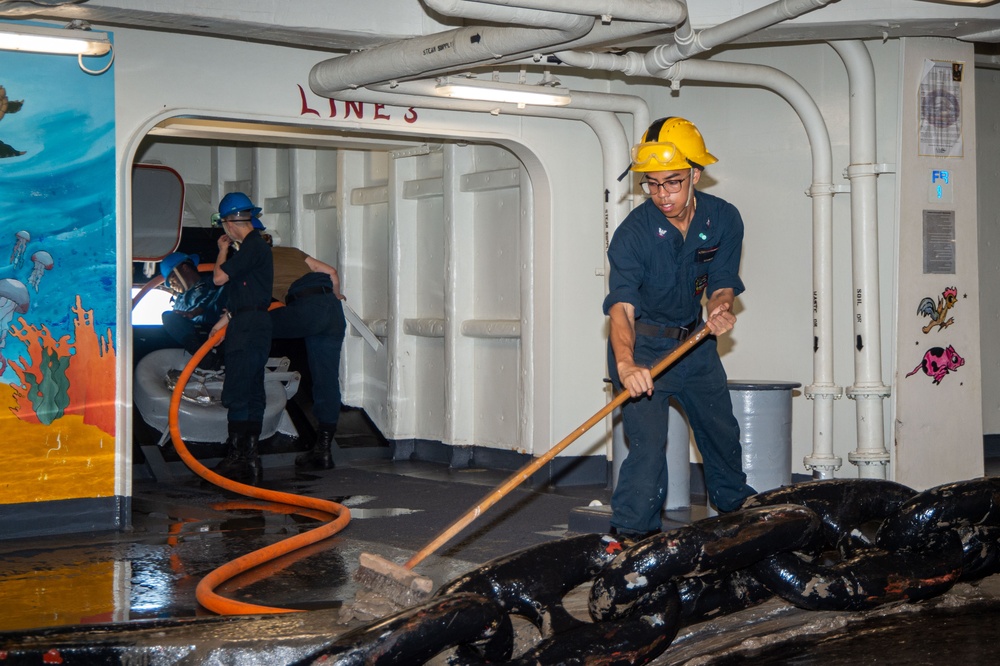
[387,579]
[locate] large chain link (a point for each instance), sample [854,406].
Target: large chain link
[823,545]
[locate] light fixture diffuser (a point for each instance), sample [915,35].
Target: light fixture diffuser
[36,39]
[497,91]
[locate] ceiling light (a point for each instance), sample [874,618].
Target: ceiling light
[36,39]
[962,2]
[496,91]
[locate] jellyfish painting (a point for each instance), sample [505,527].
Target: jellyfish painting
[13,299]
[21,239]
[43,262]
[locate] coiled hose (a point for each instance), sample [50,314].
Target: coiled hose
[337,514]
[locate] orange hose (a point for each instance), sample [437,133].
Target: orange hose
[205,592]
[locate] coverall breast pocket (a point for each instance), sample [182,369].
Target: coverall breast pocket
[704,255]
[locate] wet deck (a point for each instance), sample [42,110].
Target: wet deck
[184,528]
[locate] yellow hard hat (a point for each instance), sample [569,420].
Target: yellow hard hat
[657,156]
[684,135]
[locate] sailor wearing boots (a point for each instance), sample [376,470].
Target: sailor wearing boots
[248,275]
[679,246]
[311,292]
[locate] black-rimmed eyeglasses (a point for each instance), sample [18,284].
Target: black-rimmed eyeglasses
[672,186]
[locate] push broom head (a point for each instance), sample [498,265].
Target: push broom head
[386,579]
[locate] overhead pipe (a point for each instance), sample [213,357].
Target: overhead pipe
[660,58]
[452,49]
[619,19]
[494,12]
[990,36]
[480,45]
[684,35]
[688,43]
[868,390]
[646,11]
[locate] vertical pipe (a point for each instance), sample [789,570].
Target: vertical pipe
[868,390]
[822,391]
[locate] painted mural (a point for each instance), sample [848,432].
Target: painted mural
[57,279]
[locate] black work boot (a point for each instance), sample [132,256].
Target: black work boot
[234,464]
[242,462]
[319,456]
[253,465]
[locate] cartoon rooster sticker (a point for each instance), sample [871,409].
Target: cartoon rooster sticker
[938,313]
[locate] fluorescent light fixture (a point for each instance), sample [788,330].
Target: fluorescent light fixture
[36,39]
[497,91]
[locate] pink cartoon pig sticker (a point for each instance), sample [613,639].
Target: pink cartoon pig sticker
[938,362]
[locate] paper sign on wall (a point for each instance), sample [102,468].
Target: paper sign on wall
[940,95]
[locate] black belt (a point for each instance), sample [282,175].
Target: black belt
[308,291]
[676,332]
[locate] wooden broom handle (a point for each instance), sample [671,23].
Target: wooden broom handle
[522,474]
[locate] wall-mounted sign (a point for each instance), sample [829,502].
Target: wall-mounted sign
[940,94]
[939,242]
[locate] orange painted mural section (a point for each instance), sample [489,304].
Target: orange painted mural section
[74,455]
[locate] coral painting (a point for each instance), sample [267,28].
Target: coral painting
[58,286]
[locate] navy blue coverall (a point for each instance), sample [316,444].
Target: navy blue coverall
[312,311]
[248,335]
[663,275]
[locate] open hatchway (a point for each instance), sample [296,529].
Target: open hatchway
[432,242]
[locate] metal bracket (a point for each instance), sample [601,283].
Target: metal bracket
[829,188]
[872,169]
[822,463]
[869,457]
[823,391]
[878,391]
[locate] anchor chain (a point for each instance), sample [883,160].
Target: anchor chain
[838,544]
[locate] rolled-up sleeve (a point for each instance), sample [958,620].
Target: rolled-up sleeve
[626,273]
[724,271]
